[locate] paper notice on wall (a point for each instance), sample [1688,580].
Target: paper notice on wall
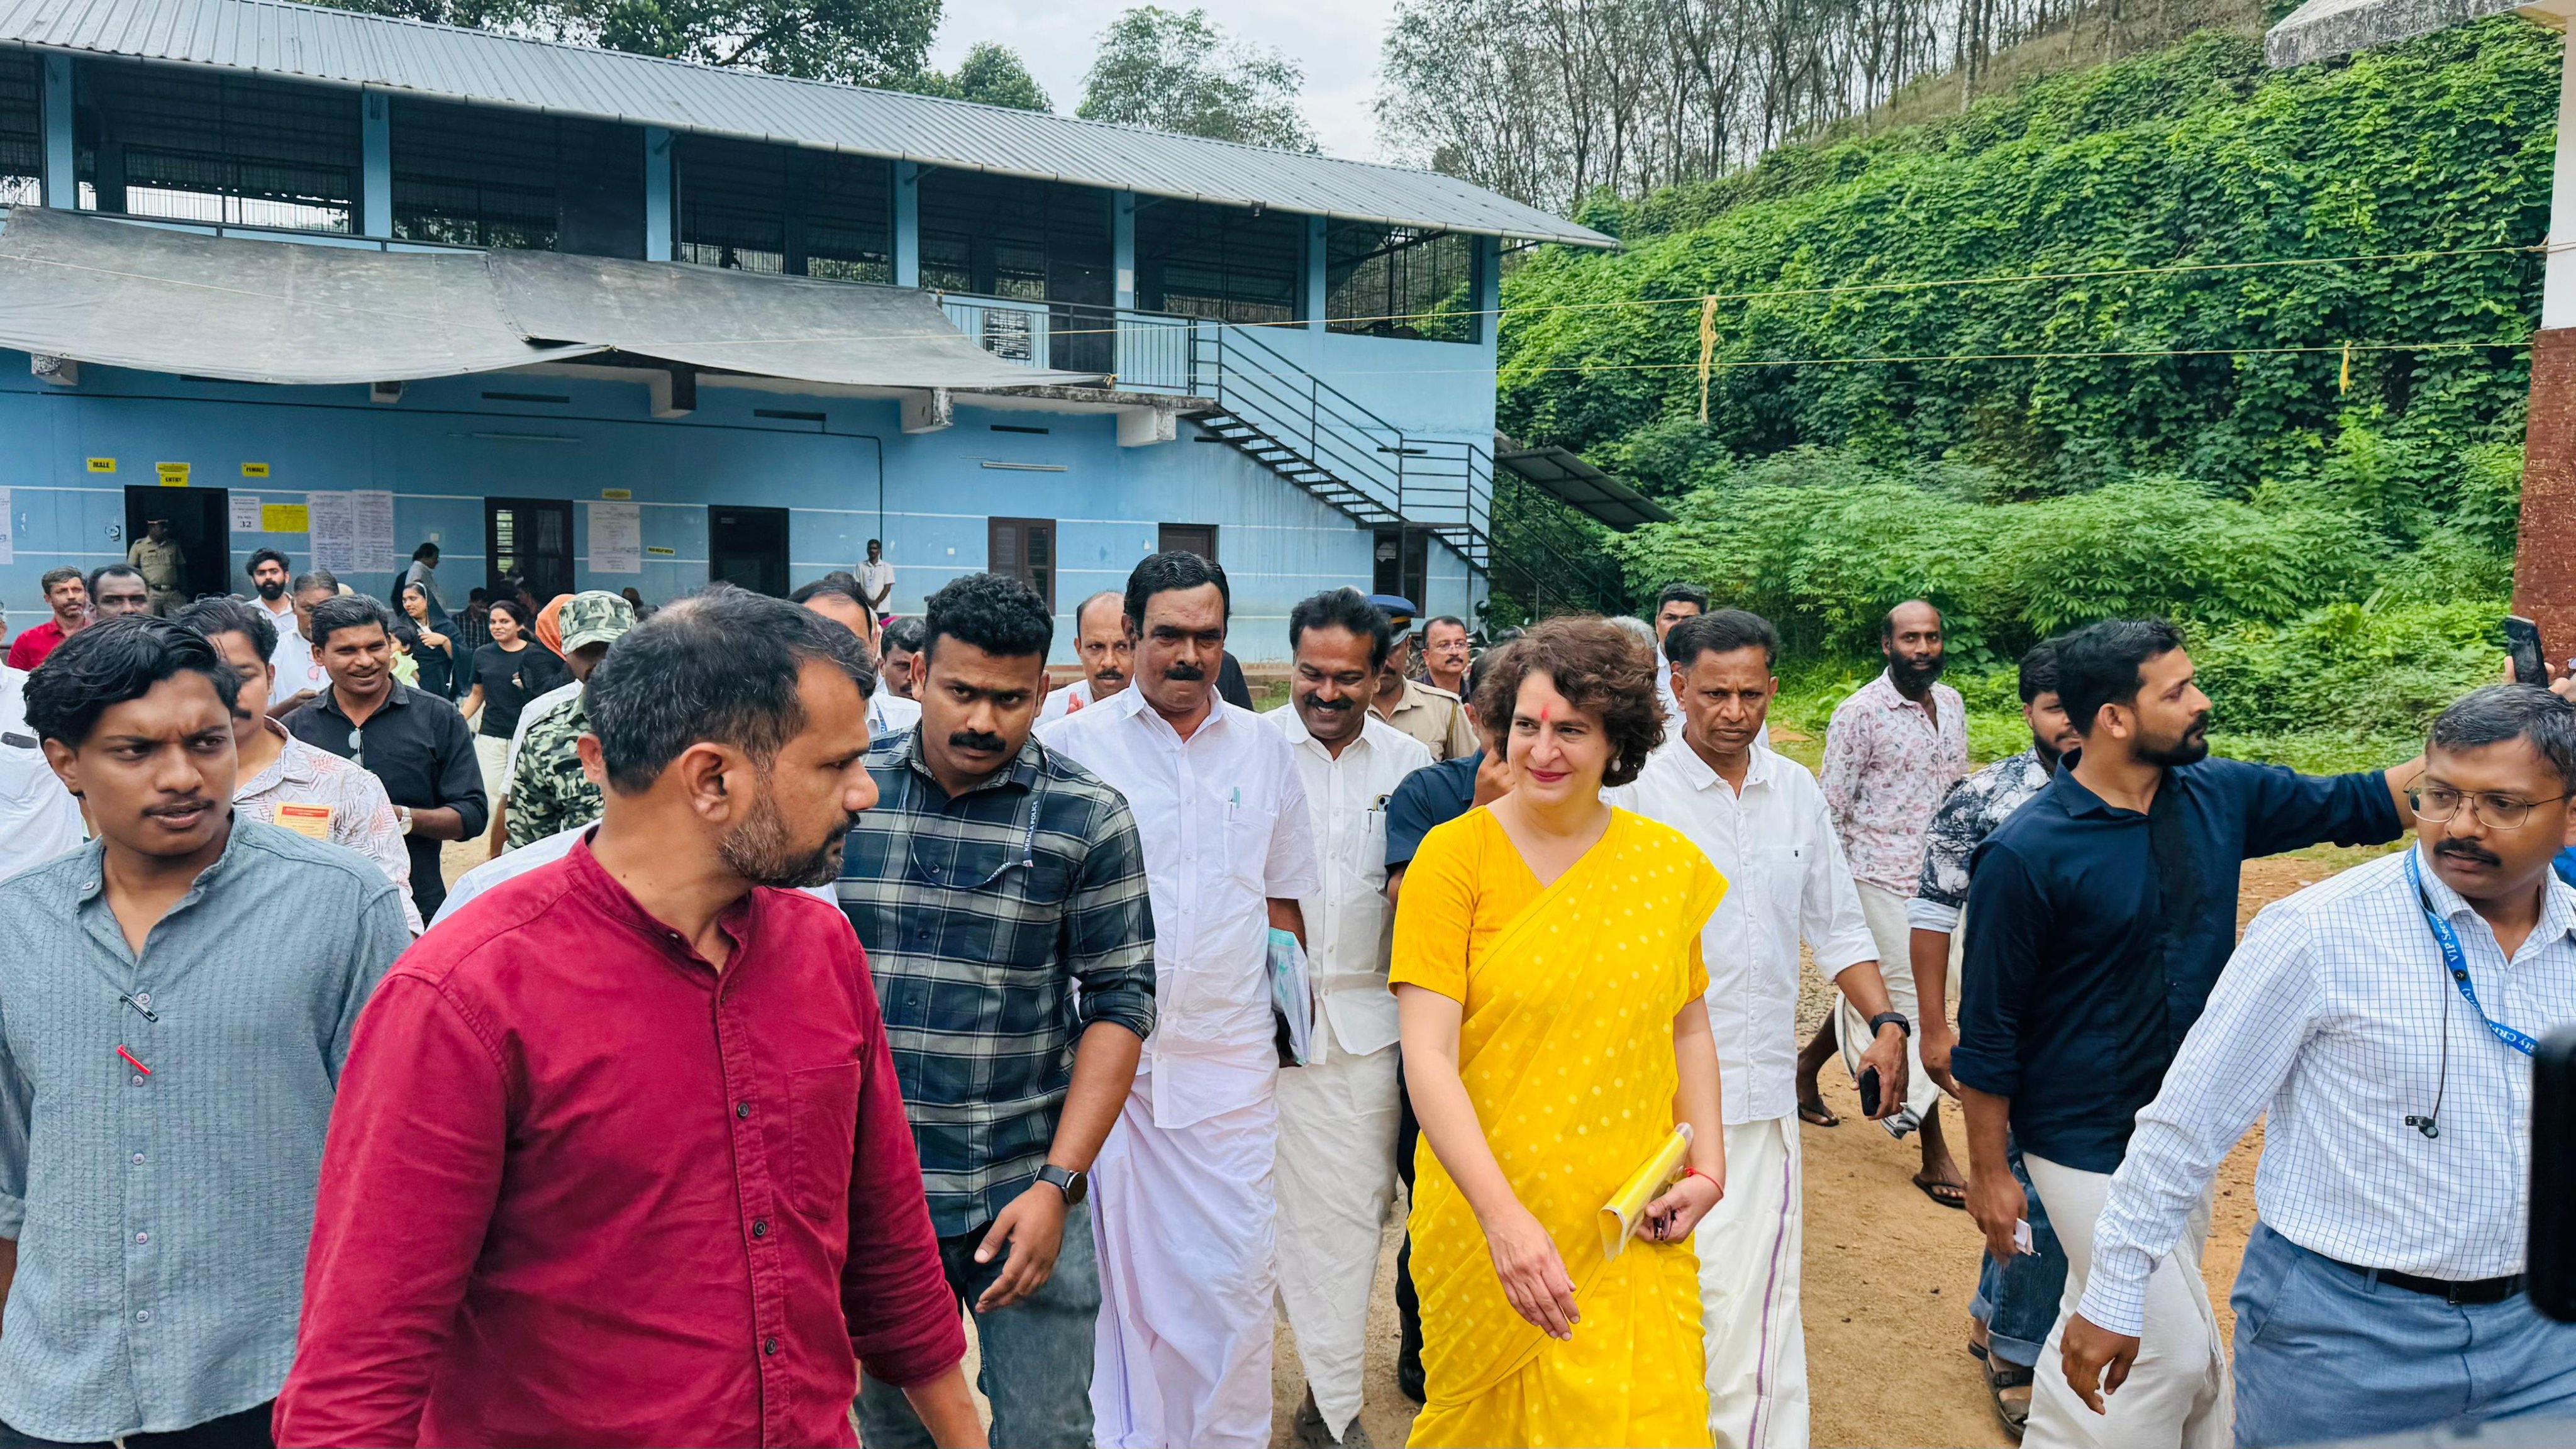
[8,529]
[371,524]
[616,538]
[245,514]
[333,525]
[284,518]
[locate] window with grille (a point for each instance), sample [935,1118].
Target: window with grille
[1395,281]
[1218,261]
[1002,236]
[216,146]
[22,129]
[781,209]
[1023,549]
[472,177]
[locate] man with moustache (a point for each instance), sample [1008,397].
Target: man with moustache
[2382,1291]
[118,591]
[2017,1297]
[1677,601]
[1761,820]
[903,639]
[620,1156]
[1892,750]
[300,676]
[1338,1113]
[1001,890]
[1100,637]
[889,713]
[1184,1192]
[67,594]
[2098,918]
[1445,650]
[268,570]
[1431,715]
[178,998]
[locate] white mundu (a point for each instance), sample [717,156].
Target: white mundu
[1337,1114]
[1786,883]
[1183,1199]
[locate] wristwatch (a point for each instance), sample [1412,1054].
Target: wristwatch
[1074,1185]
[403,814]
[1885,1017]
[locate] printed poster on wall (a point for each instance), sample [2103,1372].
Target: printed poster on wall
[372,524]
[245,511]
[616,538]
[284,518]
[332,523]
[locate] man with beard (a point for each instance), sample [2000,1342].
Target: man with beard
[1892,750]
[2382,1292]
[67,594]
[1679,600]
[1184,1192]
[269,571]
[619,1155]
[1100,637]
[1002,889]
[2016,1297]
[1338,1113]
[2098,919]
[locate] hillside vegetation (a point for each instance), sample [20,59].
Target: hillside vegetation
[2335,528]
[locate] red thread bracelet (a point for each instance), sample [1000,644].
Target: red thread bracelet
[1713,1182]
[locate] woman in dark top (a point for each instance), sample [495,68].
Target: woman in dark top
[510,671]
[435,654]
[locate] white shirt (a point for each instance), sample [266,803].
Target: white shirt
[1065,701]
[297,669]
[1786,882]
[1349,925]
[1223,820]
[514,864]
[890,713]
[2330,1016]
[39,819]
[875,576]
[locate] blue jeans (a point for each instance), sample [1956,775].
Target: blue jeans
[1036,1353]
[2323,1352]
[2017,1301]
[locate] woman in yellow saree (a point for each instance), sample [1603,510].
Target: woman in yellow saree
[1547,966]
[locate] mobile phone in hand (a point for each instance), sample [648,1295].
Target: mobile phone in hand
[2522,640]
[2021,1238]
[1869,1092]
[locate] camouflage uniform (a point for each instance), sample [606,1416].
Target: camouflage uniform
[548,792]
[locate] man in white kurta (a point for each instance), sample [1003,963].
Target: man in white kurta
[1762,821]
[1184,1195]
[1337,1113]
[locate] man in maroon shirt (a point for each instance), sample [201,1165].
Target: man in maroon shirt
[619,1155]
[67,594]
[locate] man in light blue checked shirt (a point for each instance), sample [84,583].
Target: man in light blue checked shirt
[2384,1019]
[175,1005]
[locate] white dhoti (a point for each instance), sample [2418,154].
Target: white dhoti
[1885,912]
[1749,1247]
[1184,1218]
[2177,1395]
[1337,1121]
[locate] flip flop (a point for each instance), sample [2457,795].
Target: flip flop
[1956,1193]
[1815,1115]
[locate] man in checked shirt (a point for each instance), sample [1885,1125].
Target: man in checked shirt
[993,875]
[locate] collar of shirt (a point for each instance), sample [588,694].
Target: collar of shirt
[100,918]
[739,922]
[1698,774]
[397,696]
[2557,910]
[294,763]
[1129,703]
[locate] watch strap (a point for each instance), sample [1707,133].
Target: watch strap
[1885,1017]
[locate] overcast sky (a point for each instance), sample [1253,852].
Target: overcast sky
[1335,41]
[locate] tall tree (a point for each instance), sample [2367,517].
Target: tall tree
[861,42]
[1174,70]
[995,75]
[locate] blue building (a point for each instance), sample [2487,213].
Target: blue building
[604,321]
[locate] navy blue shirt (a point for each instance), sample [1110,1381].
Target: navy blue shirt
[1426,800]
[2095,934]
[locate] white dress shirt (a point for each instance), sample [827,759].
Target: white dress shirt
[2331,1017]
[1786,883]
[39,819]
[875,575]
[890,713]
[297,669]
[1223,820]
[1349,925]
[1068,700]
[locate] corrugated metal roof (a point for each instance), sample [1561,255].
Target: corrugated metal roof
[278,37]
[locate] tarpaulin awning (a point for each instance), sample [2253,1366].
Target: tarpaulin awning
[160,300]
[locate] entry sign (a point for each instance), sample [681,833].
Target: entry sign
[173,475]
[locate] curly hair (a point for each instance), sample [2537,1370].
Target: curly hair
[1597,667]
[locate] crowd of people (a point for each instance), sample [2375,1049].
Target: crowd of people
[829,980]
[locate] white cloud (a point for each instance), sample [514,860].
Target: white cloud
[1334,41]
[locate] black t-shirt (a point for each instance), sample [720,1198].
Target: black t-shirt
[509,680]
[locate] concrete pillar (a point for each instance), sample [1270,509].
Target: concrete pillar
[2544,568]
[661,201]
[1122,245]
[375,164]
[62,166]
[907,223]
[1315,273]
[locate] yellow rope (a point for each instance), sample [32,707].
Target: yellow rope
[1707,350]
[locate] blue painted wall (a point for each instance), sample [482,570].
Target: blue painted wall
[445,448]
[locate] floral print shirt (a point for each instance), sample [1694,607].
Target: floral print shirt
[1887,765]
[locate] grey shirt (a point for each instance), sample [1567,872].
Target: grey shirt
[161,1218]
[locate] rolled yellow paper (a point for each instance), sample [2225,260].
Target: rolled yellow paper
[1621,1214]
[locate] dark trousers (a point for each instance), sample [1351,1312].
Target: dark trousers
[245,1430]
[1408,1304]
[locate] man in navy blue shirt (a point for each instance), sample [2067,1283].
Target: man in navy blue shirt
[2098,919]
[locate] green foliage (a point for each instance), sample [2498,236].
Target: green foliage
[992,75]
[1174,70]
[862,42]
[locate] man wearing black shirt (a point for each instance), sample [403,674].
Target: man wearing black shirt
[2098,918]
[415,743]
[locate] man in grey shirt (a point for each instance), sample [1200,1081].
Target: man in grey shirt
[175,1005]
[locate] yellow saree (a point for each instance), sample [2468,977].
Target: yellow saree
[1566,1047]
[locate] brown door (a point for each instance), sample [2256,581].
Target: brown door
[1023,549]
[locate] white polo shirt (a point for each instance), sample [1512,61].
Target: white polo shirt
[1349,925]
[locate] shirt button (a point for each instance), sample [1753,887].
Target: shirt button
[143,1315]
[143,1237]
[742,1109]
[769,1346]
[138,1079]
[760,1227]
[138,1159]
[143,999]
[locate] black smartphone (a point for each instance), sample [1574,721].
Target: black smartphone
[1868,1085]
[2550,1257]
[2522,640]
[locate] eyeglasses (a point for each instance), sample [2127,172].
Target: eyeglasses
[2438,803]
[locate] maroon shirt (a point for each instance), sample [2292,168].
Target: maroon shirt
[580,1188]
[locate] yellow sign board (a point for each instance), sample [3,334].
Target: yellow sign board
[102,465]
[254,470]
[284,518]
[173,475]
[663,552]
[616,493]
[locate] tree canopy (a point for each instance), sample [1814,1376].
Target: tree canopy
[992,74]
[861,42]
[1174,70]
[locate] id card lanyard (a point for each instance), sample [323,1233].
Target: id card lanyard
[2457,962]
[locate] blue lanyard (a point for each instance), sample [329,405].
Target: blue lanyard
[2452,957]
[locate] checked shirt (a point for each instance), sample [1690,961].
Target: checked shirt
[980,914]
